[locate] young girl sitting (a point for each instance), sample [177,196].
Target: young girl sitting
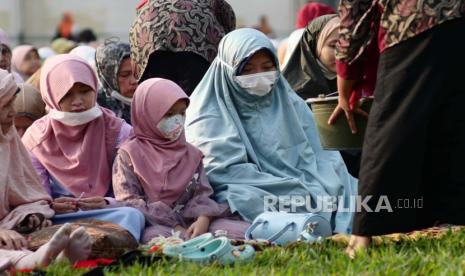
[24,205]
[72,148]
[161,174]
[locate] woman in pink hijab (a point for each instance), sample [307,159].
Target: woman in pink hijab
[161,174]
[73,146]
[24,205]
[25,61]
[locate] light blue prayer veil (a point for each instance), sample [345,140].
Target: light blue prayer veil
[262,146]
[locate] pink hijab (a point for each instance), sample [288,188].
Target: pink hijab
[18,56]
[21,193]
[164,167]
[79,157]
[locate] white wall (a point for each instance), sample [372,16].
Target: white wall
[37,19]
[280,13]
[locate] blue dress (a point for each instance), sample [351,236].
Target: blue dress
[258,148]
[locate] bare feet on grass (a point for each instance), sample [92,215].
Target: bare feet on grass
[357,244]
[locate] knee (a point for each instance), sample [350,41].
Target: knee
[133,214]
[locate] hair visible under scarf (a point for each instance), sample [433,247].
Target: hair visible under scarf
[195,26]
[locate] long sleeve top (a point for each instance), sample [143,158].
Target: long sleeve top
[129,190]
[383,24]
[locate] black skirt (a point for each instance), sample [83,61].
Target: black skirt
[413,162]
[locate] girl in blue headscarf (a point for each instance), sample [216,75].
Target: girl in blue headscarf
[259,138]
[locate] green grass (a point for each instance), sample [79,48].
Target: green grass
[445,256]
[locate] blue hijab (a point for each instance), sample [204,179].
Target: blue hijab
[261,146]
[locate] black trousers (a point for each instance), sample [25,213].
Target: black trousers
[414,151]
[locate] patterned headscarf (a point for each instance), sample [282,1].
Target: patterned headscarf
[108,60]
[179,25]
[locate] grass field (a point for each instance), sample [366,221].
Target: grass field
[444,256]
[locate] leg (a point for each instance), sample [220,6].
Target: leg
[130,219]
[235,228]
[154,231]
[79,246]
[47,252]
[398,156]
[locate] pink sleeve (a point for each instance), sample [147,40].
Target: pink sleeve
[130,192]
[126,131]
[42,172]
[201,204]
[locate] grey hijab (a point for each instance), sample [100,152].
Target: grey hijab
[108,58]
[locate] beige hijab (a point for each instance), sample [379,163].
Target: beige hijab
[21,193]
[29,102]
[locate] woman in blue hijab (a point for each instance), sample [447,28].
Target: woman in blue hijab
[259,137]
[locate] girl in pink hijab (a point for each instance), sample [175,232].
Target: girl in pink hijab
[73,146]
[24,205]
[25,61]
[161,174]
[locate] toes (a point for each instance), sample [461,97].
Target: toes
[79,233]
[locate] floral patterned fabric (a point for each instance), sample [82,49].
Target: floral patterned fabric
[398,21]
[179,25]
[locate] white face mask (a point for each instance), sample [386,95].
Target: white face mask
[257,84]
[172,127]
[76,118]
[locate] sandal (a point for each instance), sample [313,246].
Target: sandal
[220,250]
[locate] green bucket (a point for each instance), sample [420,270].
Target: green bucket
[338,136]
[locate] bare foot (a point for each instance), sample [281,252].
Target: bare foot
[79,246]
[47,252]
[357,244]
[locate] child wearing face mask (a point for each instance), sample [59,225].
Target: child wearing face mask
[158,172]
[73,146]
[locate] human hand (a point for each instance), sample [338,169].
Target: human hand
[92,203]
[12,240]
[345,89]
[199,227]
[36,222]
[65,205]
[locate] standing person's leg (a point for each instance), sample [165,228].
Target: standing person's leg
[410,82]
[445,181]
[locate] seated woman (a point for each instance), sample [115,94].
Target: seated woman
[177,40]
[173,192]
[29,107]
[24,204]
[117,78]
[259,138]
[311,69]
[25,61]
[73,146]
